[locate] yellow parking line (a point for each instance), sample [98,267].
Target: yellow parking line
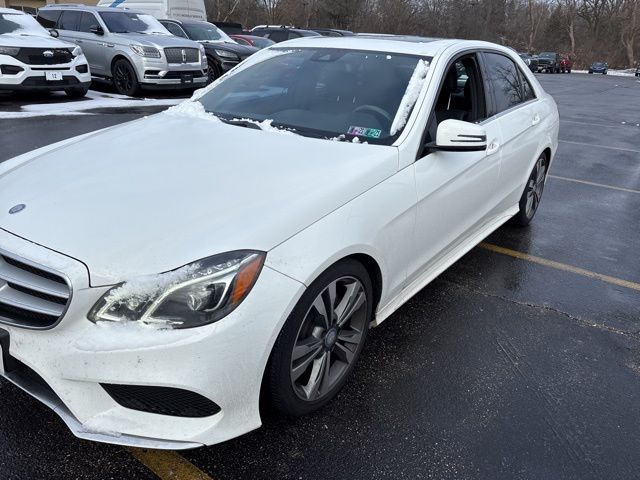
[560,266]
[168,465]
[594,184]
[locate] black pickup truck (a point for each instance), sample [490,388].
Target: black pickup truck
[549,62]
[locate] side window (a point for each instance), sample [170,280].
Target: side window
[69,20]
[505,81]
[461,96]
[278,36]
[293,35]
[87,20]
[175,29]
[527,89]
[48,18]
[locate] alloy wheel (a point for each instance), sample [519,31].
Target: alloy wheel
[123,78]
[328,338]
[535,186]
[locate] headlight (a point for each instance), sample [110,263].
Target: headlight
[203,55]
[225,54]
[11,51]
[528,60]
[144,51]
[196,294]
[76,52]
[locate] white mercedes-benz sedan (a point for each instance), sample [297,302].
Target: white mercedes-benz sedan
[157,277]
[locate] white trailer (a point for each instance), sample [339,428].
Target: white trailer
[163,9]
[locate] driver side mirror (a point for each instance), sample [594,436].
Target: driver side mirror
[54,33]
[459,136]
[96,29]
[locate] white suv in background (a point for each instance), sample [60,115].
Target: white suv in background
[31,59]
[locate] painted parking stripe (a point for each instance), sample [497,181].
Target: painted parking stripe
[594,184]
[600,146]
[168,465]
[560,266]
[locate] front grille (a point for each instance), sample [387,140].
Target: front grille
[162,400]
[178,74]
[31,296]
[182,55]
[66,81]
[36,56]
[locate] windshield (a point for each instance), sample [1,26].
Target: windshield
[547,54]
[205,32]
[20,24]
[128,22]
[325,93]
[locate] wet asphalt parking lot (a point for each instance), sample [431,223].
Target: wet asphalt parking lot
[522,361]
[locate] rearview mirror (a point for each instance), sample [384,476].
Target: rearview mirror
[96,29]
[459,136]
[54,33]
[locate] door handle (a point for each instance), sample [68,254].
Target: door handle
[493,147]
[536,119]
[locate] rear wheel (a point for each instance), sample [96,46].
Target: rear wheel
[125,79]
[321,340]
[532,194]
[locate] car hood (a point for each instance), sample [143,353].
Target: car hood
[154,40]
[155,194]
[240,50]
[33,41]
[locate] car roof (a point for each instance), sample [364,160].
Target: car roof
[71,6]
[12,10]
[411,45]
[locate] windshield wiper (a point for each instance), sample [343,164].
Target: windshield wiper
[241,123]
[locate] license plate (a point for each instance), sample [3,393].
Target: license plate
[53,76]
[187,79]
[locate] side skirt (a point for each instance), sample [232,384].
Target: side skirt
[449,258]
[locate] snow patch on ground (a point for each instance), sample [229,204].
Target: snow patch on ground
[93,100]
[410,97]
[125,335]
[614,73]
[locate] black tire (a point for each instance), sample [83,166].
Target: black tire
[532,192]
[125,79]
[281,387]
[213,71]
[76,92]
[569,71]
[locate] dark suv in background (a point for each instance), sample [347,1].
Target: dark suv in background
[281,33]
[222,52]
[549,62]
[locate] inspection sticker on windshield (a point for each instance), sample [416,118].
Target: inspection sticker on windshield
[365,132]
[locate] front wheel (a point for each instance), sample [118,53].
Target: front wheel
[321,340]
[125,79]
[532,194]
[213,72]
[76,92]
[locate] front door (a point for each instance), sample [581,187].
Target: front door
[456,191]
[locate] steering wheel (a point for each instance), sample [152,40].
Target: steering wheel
[376,111]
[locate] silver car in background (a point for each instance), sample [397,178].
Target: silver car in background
[129,48]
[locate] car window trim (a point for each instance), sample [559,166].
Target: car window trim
[458,56]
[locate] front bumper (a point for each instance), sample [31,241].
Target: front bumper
[223,362]
[33,77]
[157,73]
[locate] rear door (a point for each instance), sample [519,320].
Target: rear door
[518,112]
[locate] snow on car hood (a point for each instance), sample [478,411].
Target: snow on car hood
[34,41]
[155,194]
